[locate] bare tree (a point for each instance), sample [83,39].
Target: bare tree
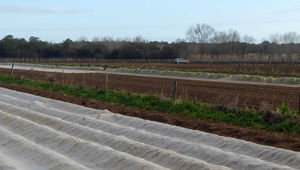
[276,38]
[96,39]
[219,37]
[233,36]
[82,38]
[126,39]
[290,37]
[139,39]
[248,39]
[109,42]
[200,33]
[230,36]
[107,39]
[122,40]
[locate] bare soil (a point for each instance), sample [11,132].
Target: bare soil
[229,95]
[276,139]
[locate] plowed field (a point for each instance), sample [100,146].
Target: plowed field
[243,95]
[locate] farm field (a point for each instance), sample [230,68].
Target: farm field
[64,135]
[145,85]
[270,138]
[257,69]
[225,94]
[162,73]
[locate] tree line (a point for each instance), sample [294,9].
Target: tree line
[201,40]
[102,49]
[203,33]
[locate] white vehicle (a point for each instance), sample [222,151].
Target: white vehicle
[180,61]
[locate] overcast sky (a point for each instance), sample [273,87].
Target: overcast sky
[161,20]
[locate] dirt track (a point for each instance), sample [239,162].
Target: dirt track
[263,97]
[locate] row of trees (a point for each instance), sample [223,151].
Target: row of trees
[104,49]
[290,37]
[202,33]
[202,40]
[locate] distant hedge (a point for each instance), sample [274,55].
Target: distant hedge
[11,47]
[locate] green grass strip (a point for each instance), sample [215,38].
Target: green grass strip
[249,118]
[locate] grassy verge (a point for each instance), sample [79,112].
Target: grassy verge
[250,118]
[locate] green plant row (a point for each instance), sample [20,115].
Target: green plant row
[248,118]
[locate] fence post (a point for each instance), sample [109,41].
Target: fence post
[106,81]
[161,93]
[12,69]
[62,77]
[299,103]
[175,90]
[30,74]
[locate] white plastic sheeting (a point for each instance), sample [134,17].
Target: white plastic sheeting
[211,76]
[256,79]
[68,136]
